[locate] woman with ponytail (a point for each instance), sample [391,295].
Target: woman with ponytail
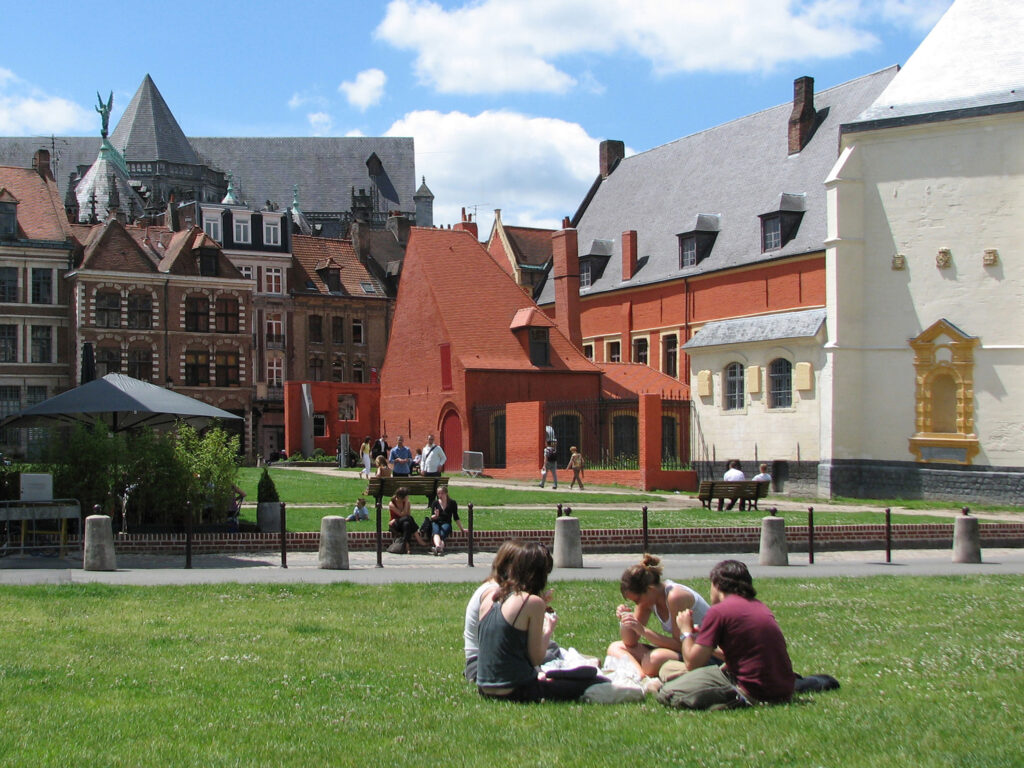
[647,648]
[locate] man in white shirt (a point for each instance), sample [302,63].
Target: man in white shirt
[732,475]
[433,458]
[762,476]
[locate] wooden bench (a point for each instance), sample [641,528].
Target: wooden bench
[747,491]
[418,485]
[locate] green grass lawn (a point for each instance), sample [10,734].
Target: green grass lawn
[499,509]
[349,675]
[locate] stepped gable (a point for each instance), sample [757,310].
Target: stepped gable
[312,254]
[736,171]
[40,209]
[148,131]
[969,63]
[109,247]
[476,302]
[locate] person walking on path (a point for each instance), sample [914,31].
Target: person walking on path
[366,457]
[576,465]
[550,464]
[433,458]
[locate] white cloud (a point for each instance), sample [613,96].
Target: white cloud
[920,15]
[320,123]
[366,90]
[26,110]
[355,133]
[494,46]
[536,170]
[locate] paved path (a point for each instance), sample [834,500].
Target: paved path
[247,569]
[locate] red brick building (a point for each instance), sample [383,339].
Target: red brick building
[165,307]
[477,363]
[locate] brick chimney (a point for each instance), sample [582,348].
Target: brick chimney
[611,152]
[803,119]
[467,225]
[628,254]
[565,258]
[41,163]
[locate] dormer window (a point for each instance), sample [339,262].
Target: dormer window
[211,226]
[242,231]
[586,273]
[780,226]
[696,245]
[8,216]
[540,347]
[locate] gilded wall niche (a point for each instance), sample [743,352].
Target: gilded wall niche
[944,396]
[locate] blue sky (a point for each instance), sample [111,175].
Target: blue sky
[506,99]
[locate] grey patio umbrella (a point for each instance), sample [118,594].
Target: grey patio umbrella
[120,401]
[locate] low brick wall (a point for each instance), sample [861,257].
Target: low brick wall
[666,540]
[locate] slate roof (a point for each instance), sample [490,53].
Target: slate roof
[737,171]
[147,129]
[108,169]
[40,209]
[311,253]
[478,322]
[745,330]
[532,246]
[324,168]
[969,63]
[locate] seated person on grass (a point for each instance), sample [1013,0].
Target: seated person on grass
[640,645]
[757,668]
[506,552]
[360,512]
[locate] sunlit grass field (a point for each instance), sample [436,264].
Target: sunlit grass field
[499,509]
[347,675]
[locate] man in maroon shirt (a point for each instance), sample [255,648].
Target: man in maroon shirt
[757,668]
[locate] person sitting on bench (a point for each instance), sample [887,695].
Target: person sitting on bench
[732,475]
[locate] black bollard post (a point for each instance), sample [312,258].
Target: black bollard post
[284,536]
[888,535]
[810,535]
[380,545]
[469,532]
[646,542]
[965,511]
[188,534]
[568,512]
[558,511]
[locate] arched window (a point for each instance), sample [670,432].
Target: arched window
[780,383]
[108,360]
[733,387]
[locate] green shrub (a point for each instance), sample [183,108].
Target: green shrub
[266,490]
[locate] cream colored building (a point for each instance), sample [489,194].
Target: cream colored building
[922,390]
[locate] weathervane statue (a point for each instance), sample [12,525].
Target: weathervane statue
[104,110]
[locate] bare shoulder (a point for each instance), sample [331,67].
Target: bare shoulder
[680,598]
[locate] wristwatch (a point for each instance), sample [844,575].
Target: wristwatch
[685,635]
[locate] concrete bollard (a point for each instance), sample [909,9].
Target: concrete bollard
[966,540]
[99,544]
[568,552]
[773,542]
[333,543]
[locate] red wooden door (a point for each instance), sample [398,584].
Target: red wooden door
[451,441]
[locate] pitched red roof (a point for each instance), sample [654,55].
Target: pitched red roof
[110,247]
[626,380]
[313,253]
[41,213]
[476,301]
